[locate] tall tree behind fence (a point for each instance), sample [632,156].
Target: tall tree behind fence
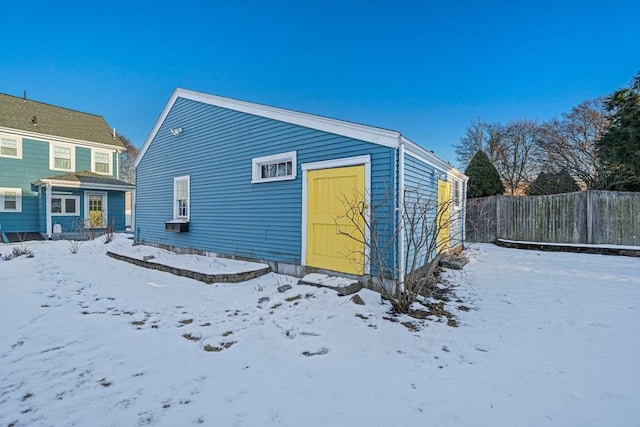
[588,217]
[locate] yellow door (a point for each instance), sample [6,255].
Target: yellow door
[335,239]
[442,220]
[96,211]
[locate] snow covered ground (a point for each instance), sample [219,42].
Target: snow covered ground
[551,339]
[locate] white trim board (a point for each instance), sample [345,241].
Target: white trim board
[330,164]
[379,136]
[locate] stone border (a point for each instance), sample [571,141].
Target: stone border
[569,248]
[202,277]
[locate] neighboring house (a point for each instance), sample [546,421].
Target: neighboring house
[245,180]
[59,171]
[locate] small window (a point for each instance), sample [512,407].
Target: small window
[10,200]
[277,167]
[64,205]
[10,146]
[61,157]
[181,198]
[101,162]
[457,193]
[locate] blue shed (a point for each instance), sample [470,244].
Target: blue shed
[301,192]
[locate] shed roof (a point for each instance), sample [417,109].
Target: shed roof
[37,117]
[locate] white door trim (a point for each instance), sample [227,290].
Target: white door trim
[105,215]
[330,164]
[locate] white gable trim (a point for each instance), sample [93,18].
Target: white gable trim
[374,135]
[385,137]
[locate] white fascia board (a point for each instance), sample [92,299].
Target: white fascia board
[53,138]
[156,126]
[424,155]
[83,185]
[385,137]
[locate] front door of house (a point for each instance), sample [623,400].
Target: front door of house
[335,226]
[97,205]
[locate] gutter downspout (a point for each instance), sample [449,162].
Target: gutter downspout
[401,231]
[47,204]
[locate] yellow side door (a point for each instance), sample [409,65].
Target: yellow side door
[330,194]
[443,218]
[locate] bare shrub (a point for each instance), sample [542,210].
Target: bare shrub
[74,246]
[110,234]
[421,234]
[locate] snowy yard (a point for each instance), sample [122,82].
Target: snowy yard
[551,339]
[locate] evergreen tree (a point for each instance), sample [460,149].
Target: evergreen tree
[553,183]
[484,179]
[619,148]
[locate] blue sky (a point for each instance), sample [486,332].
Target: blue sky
[424,68]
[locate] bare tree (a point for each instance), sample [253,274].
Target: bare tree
[479,136]
[423,226]
[517,156]
[570,143]
[128,158]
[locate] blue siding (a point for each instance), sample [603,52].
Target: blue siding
[421,194]
[83,159]
[20,173]
[229,214]
[115,209]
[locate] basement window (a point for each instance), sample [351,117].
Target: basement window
[277,167]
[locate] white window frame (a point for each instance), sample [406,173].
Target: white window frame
[258,162]
[18,191]
[52,160]
[457,201]
[176,215]
[109,157]
[64,206]
[17,140]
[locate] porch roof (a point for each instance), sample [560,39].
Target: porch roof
[85,179]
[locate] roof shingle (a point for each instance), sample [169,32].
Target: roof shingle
[33,116]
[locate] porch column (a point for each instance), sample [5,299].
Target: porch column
[49,221]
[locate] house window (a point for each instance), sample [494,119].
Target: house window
[101,162]
[10,146]
[278,167]
[65,205]
[181,197]
[62,157]
[457,193]
[10,200]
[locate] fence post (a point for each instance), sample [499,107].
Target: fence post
[498,216]
[589,216]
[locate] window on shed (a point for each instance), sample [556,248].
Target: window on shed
[457,193]
[181,197]
[276,167]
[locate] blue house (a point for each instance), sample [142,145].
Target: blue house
[59,171]
[301,192]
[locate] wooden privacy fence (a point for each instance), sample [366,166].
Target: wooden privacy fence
[586,217]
